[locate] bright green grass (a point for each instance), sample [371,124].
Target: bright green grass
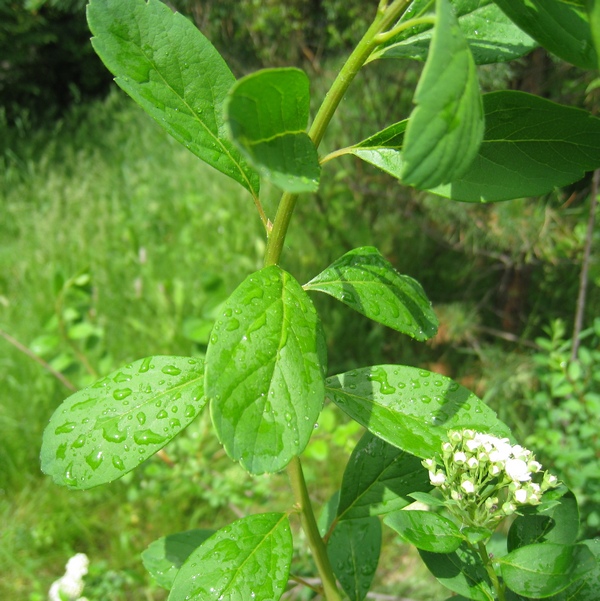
[163,239]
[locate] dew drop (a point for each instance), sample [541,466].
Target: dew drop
[79,442]
[232,325]
[111,433]
[146,437]
[174,423]
[61,451]
[121,377]
[65,428]
[94,459]
[162,414]
[145,365]
[121,393]
[171,370]
[141,417]
[118,463]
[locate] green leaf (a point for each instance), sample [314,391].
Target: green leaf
[384,149]
[426,530]
[462,571]
[364,280]
[491,35]
[558,26]
[585,589]
[446,127]
[174,73]
[353,551]
[553,523]
[249,559]
[411,408]
[165,556]
[267,114]
[102,432]
[265,368]
[378,479]
[531,146]
[545,569]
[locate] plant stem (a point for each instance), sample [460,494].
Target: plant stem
[487,562]
[383,20]
[386,16]
[309,525]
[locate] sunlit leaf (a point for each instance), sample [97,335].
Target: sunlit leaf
[102,432]
[426,530]
[247,560]
[163,557]
[542,570]
[364,280]
[411,408]
[174,73]
[265,371]
[267,115]
[446,127]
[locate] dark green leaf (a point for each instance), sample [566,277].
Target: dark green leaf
[378,479]
[353,550]
[593,11]
[446,127]
[170,69]
[426,530]
[364,280]
[461,571]
[585,589]
[411,408]
[491,35]
[531,146]
[545,569]
[265,371]
[556,523]
[247,560]
[102,432]
[559,26]
[267,115]
[165,556]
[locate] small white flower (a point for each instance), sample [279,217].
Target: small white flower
[437,479]
[468,487]
[521,495]
[459,457]
[472,462]
[70,586]
[516,470]
[473,444]
[534,467]
[429,464]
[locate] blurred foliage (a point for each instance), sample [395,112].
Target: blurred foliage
[47,60]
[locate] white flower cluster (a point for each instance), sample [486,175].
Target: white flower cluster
[485,478]
[70,586]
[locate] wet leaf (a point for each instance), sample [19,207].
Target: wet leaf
[353,550]
[174,73]
[265,371]
[163,557]
[411,408]
[426,530]
[364,280]
[267,115]
[247,560]
[105,430]
[545,569]
[491,35]
[462,571]
[378,479]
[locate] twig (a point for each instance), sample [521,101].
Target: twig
[585,263]
[21,347]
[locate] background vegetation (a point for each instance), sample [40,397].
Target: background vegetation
[116,243]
